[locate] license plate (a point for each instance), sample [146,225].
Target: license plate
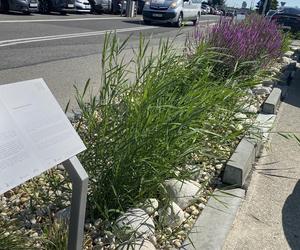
[286,27]
[157,15]
[70,5]
[157,1]
[33,5]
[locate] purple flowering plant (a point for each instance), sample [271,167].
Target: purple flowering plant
[254,39]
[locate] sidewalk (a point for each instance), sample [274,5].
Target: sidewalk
[269,218]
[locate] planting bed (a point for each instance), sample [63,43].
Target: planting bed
[156,148]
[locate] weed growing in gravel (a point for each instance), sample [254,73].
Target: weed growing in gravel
[12,238]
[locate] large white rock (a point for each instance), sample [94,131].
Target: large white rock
[240,116]
[289,53]
[172,216]
[149,206]
[183,193]
[262,90]
[294,48]
[136,221]
[286,60]
[138,244]
[249,108]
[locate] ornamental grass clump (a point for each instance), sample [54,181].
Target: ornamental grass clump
[252,43]
[144,126]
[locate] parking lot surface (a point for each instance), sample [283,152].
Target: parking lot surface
[66,50]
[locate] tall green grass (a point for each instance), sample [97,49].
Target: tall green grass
[144,126]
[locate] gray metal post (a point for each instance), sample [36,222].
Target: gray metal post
[79,196]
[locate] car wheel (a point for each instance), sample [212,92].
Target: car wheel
[147,22]
[43,7]
[196,22]
[179,21]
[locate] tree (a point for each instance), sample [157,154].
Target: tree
[244,5]
[271,4]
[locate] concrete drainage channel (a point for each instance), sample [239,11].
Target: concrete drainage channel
[216,219]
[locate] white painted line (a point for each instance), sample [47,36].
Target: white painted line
[62,20]
[68,36]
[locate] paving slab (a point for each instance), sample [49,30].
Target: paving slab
[269,217]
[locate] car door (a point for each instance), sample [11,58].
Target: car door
[195,9]
[187,9]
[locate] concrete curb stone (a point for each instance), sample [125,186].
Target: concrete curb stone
[214,223]
[240,163]
[272,103]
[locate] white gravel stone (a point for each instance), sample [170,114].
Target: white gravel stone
[288,53]
[275,69]
[183,193]
[240,116]
[249,108]
[286,60]
[201,206]
[294,48]
[168,231]
[136,221]
[172,216]
[98,223]
[176,243]
[139,244]
[150,206]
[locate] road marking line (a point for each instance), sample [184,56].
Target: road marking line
[68,36]
[62,20]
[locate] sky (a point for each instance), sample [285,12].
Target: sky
[238,3]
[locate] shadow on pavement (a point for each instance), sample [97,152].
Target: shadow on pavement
[293,95]
[291,218]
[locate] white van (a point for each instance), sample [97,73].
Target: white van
[172,11]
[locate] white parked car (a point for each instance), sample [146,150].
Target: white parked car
[82,6]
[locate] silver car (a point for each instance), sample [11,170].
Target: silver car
[25,6]
[82,6]
[172,11]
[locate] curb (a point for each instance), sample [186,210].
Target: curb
[214,223]
[272,103]
[240,163]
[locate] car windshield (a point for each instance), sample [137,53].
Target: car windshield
[162,1]
[292,11]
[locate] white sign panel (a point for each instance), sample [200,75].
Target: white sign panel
[35,134]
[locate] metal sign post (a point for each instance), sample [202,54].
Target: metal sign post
[39,136]
[79,196]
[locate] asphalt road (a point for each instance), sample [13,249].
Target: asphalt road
[66,50]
